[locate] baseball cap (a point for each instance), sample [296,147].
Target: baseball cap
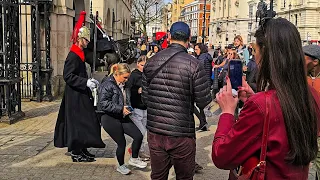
[180,27]
[312,51]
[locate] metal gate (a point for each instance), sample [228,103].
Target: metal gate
[35,64]
[10,99]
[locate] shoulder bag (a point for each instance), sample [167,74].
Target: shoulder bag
[254,168]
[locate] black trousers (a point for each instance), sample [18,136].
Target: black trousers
[200,115]
[116,128]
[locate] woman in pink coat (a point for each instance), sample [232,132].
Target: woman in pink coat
[292,140]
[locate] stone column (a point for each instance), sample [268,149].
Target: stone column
[61,30]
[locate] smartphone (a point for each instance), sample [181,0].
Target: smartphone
[235,73]
[130,108]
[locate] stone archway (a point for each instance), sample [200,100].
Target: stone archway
[109,19]
[126,26]
[78,6]
[123,26]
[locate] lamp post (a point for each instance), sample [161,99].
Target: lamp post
[204,21]
[290,10]
[251,14]
[148,23]
[156,15]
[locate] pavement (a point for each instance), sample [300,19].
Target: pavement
[27,151]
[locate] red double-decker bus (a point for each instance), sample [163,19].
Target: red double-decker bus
[162,39]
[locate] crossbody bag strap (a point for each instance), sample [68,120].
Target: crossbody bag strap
[265,133]
[162,65]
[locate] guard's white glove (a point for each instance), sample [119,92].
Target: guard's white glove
[92,83]
[95,81]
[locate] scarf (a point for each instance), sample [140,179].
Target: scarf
[78,51]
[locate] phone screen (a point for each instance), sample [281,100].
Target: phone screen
[235,73]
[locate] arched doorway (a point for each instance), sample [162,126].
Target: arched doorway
[109,20]
[78,6]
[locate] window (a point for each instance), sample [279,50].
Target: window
[296,16]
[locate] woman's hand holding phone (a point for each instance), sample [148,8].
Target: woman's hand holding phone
[245,91]
[225,98]
[126,110]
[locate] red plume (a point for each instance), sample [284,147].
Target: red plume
[77,27]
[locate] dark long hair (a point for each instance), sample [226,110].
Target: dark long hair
[203,48]
[282,65]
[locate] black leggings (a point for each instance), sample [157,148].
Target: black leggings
[200,115]
[116,129]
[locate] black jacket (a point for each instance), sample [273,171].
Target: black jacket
[133,98]
[171,94]
[110,99]
[252,73]
[207,62]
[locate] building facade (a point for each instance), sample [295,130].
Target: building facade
[177,7]
[116,16]
[230,18]
[63,17]
[304,14]
[227,22]
[192,14]
[166,17]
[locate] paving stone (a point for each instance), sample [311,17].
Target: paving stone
[27,151]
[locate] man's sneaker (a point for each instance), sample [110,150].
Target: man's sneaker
[123,169]
[144,156]
[137,163]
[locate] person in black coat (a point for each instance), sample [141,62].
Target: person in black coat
[77,125]
[172,82]
[202,54]
[115,119]
[133,98]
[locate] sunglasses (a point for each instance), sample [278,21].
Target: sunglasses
[86,40]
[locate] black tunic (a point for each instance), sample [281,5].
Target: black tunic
[77,126]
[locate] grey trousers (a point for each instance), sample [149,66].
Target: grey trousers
[139,118]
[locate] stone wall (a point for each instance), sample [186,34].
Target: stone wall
[122,10]
[62,22]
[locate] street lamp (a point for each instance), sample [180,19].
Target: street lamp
[204,21]
[147,20]
[148,23]
[290,10]
[156,15]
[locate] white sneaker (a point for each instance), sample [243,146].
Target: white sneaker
[123,169]
[137,163]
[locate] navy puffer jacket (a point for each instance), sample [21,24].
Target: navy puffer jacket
[110,99]
[171,94]
[207,59]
